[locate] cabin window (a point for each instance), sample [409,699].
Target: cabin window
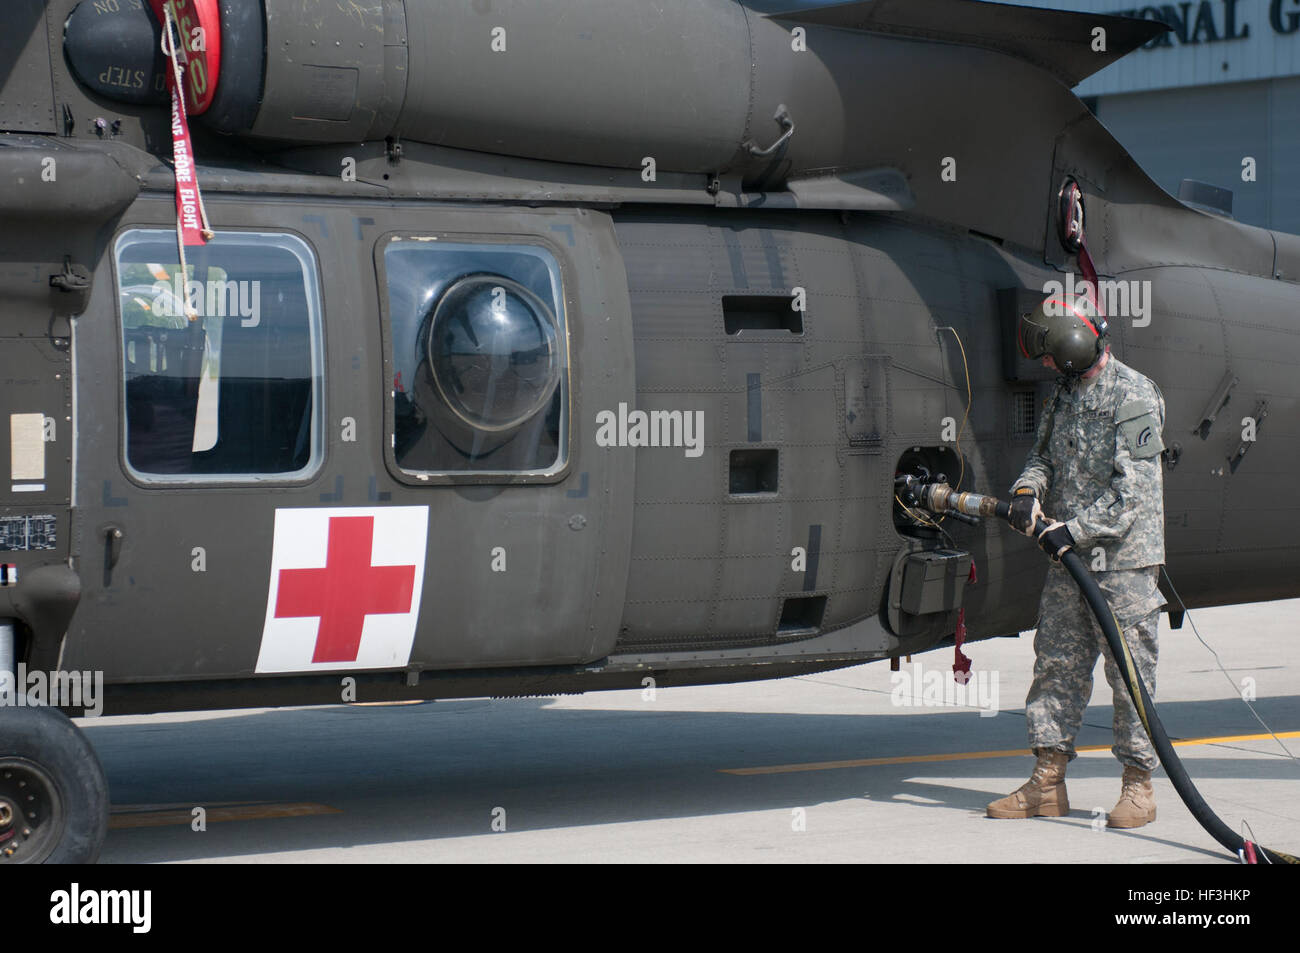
[479,358]
[221,366]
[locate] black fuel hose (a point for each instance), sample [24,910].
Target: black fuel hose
[1146,709]
[940,498]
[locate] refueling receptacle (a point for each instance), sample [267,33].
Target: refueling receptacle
[928,578]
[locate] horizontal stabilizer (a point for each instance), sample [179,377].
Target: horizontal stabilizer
[1059,41]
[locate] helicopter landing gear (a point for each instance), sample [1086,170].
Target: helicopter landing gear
[53,796]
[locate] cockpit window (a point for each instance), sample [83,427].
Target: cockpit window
[221,365]
[479,356]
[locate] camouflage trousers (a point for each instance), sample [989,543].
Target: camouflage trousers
[1065,653]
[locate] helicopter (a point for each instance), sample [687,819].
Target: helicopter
[403,349]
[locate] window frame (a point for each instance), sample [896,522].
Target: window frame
[296,244]
[563,270]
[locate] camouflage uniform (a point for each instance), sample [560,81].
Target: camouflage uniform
[1095,466]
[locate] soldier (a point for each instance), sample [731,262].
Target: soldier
[1095,468]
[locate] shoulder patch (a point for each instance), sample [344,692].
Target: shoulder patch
[1140,424]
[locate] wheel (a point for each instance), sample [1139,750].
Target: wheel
[53,796]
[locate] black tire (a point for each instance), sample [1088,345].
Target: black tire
[42,748]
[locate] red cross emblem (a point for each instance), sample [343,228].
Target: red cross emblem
[345,588]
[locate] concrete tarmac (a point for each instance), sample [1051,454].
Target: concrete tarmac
[840,766]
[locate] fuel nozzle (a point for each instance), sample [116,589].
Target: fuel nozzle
[938,497]
[941,498]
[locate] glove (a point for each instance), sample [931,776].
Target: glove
[1025,509]
[1056,540]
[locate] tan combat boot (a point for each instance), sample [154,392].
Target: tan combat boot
[1137,800]
[1043,795]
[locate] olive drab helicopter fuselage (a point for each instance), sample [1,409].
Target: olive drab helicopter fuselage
[535,354]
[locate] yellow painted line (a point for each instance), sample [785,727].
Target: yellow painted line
[973,755]
[127,817]
[407,701]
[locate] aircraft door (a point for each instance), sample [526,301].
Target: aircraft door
[302,458]
[200,397]
[505,333]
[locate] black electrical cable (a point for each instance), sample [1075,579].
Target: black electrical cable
[1146,709]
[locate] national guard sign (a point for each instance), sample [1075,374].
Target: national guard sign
[345,588]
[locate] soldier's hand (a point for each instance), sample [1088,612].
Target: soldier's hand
[1025,510]
[1056,540]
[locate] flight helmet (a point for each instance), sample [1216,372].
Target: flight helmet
[1068,328]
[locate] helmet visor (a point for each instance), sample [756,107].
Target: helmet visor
[1032,336]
